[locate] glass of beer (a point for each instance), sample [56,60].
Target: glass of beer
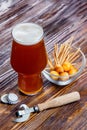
[28,56]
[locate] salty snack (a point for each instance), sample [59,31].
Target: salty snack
[54,75]
[59,68]
[66,66]
[64,76]
[72,71]
[62,65]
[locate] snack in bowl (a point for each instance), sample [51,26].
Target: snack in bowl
[65,63]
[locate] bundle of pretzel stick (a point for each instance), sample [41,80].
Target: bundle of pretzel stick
[63,63]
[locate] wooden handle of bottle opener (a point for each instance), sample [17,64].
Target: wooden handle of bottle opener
[59,101]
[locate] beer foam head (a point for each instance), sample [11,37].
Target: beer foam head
[27,33]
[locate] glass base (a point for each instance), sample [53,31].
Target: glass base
[31,93]
[30,84]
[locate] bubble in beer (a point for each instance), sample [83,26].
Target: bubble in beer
[27,33]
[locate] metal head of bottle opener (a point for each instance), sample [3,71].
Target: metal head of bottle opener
[23,115]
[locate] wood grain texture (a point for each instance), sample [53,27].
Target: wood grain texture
[60,19]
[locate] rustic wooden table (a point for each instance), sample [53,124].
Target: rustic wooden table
[60,19]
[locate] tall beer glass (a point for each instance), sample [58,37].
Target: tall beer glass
[28,56]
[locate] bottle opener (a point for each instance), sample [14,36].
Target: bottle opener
[23,115]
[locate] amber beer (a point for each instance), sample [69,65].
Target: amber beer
[28,56]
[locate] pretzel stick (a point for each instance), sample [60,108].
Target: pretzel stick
[74,54]
[63,53]
[74,58]
[68,47]
[66,53]
[60,51]
[56,54]
[50,64]
[70,55]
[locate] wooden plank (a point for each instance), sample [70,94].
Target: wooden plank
[60,20]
